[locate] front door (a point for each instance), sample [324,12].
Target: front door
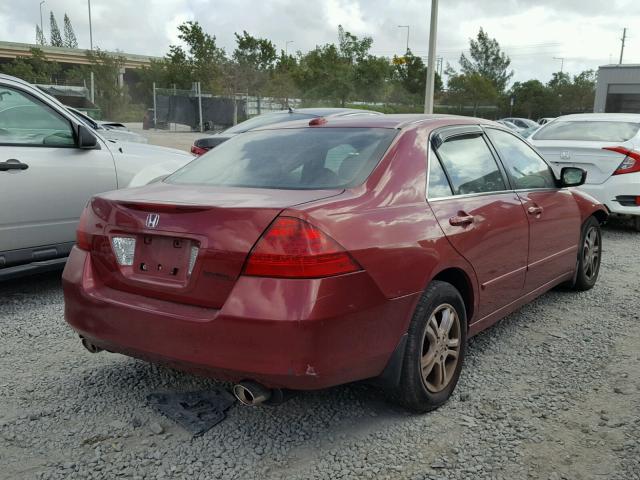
[553,214]
[45,180]
[482,218]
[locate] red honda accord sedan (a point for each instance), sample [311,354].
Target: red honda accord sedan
[312,254]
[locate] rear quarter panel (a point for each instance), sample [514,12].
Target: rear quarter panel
[387,225]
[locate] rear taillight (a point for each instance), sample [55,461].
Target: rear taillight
[293,248]
[631,162]
[198,150]
[83,237]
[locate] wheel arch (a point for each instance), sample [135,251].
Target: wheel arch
[459,279]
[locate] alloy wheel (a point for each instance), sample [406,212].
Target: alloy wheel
[591,253]
[440,348]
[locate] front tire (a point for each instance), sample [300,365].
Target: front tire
[436,346]
[589,255]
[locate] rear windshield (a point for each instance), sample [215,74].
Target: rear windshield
[590,131]
[267,119]
[299,159]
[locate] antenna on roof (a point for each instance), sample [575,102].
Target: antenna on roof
[290,109]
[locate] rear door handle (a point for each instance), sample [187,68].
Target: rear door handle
[461,220]
[535,210]
[12,164]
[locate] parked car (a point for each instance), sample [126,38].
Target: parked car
[322,252]
[607,146]
[509,125]
[545,120]
[521,123]
[51,164]
[528,132]
[109,130]
[203,145]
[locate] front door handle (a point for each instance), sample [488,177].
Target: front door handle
[12,164]
[461,220]
[535,210]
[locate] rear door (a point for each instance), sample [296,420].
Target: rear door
[45,180]
[552,212]
[479,213]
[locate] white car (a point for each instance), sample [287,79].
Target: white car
[607,146]
[109,130]
[545,120]
[51,163]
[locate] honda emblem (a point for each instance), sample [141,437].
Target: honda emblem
[152,220]
[564,155]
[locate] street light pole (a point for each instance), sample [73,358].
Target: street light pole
[431,63]
[407,27]
[90,29]
[286,47]
[41,26]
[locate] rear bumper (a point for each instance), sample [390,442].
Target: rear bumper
[616,186]
[297,334]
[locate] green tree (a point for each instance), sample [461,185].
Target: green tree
[409,76]
[56,38]
[487,59]
[39,36]
[34,68]
[203,56]
[70,40]
[255,59]
[324,74]
[471,89]
[532,99]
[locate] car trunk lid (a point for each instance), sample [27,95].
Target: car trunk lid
[191,242]
[591,156]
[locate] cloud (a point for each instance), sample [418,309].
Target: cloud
[584,32]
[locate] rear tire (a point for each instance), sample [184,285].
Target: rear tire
[589,255]
[636,223]
[435,350]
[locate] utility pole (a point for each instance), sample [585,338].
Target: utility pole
[624,37]
[41,27]
[431,61]
[93,97]
[407,27]
[286,47]
[561,63]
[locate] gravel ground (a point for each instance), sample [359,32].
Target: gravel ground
[551,392]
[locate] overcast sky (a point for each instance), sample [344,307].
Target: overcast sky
[585,32]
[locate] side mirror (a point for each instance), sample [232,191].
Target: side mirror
[572,176]
[86,139]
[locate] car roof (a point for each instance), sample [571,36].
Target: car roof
[325,111]
[394,121]
[611,117]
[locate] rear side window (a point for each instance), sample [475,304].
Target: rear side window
[470,165]
[438,183]
[299,159]
[524,166]
[589,131]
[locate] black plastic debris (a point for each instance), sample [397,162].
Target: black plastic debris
[196,412]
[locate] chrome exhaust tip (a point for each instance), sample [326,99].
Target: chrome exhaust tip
[90,346]
[251,393]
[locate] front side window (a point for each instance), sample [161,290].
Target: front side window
[470,165]
[27,121]
[292,158]
[523,165]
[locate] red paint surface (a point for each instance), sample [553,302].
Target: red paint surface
[313,333]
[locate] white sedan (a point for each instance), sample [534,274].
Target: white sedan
[607,146]
[51,163]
